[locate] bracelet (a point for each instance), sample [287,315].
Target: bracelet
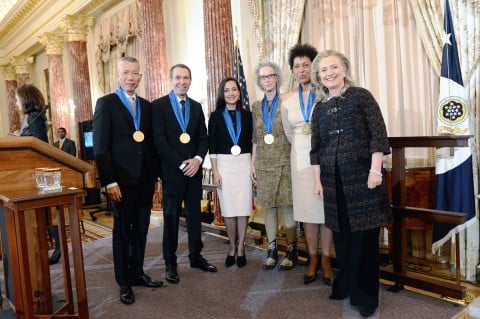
[374,171]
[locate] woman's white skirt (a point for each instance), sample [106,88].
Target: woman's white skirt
[235,195]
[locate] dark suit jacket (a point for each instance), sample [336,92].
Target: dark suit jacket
[67,146]
[119,158]
[166,133]
[36,126]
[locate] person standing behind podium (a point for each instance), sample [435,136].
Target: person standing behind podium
[31,106]
[64,143]
[230,144]
[180,137]
[127,166]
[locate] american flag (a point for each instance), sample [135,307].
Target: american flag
[453,170]
[240,76]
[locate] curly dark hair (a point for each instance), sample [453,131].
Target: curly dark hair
[301,50]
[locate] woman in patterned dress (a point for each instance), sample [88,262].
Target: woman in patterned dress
[271,166]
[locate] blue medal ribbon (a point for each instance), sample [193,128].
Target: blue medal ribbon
[136,117]
[228,121]
[268,116]
[182,121]
[311,98]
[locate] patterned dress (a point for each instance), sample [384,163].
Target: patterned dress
[272,164]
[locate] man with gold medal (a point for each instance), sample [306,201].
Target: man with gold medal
[180,138]
[128,167]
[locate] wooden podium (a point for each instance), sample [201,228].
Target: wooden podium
[24,240]
[402,212]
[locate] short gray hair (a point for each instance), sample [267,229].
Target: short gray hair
[276,69]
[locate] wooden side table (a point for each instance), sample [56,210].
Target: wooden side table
[27,298]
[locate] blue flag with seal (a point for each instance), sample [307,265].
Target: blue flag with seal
[239,75]
[453,169]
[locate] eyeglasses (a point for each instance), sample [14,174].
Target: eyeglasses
[267,77]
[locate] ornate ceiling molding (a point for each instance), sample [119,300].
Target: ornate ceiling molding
[24,11]
[29,19]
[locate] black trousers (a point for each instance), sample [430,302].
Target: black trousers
[131,219]
[188,191]
[357,256]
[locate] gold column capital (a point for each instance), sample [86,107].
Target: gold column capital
[20,63]
[53,42]
[8,72]
[76,26]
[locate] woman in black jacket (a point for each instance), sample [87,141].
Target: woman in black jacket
[31,106]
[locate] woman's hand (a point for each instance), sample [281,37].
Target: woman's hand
[253,175]
[318,190]
[374,180]
[217,179]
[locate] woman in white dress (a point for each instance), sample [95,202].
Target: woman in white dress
[307,208]
[230,146]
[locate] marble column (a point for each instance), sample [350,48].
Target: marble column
[76,28]
[155,49]
[218,45]
[11,85]
[20,64]
[54,44]
[155,53]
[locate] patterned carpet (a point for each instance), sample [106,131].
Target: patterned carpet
[94,231]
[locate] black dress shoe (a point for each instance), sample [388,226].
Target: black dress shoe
[241,261]
[126,295]
[146,281]
[229,261]
[171,275]
[307,279]
[367,311]
[55,257]
[335,296]
[202,264]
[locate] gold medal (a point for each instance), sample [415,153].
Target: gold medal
[268,139]
[307,128]
[184,138]
[138,136]
[235,150]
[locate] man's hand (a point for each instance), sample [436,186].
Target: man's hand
[191,167]
[114,193]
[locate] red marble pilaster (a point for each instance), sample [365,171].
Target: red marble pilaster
[23,78]
[155,49]
[218,45]
[81,81]
[59,109]
[13,118]
[60,112]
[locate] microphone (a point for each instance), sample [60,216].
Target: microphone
[45,108]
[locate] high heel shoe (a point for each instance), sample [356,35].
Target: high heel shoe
[241,260]
[229,261]
[327,274]
[311,268]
